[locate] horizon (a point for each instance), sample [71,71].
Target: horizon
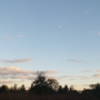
[59,37]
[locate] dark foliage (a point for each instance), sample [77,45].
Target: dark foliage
[42,85]
[4,89]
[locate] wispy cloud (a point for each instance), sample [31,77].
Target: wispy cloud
[9,36]
[13,70]
[16,60]
[96,75]
[87,71]
[14,73]
[17,71]
[74,77]
[6,81]
[51,72]
[98,70]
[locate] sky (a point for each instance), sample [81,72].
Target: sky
[60,37]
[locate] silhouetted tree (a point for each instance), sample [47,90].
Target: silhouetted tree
[39,84]
[4,89]
[43,85]
[60,90]
[14,89]
[73,91]
[22,88]
[53,84]
[95,90]
[63,90]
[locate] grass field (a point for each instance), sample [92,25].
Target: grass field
[44,97]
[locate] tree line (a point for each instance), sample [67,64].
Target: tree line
[43,85]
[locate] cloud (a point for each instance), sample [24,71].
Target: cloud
[98,70]
[51,72]
[6,81]
[96,75]
[87,71]
[16,60]
[12,74]
[10,36]
[74,77]
[13,70]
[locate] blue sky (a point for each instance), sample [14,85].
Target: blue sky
[59,35]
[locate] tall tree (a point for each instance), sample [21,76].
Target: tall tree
[43,85]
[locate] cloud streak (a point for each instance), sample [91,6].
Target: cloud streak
[96,75]
[77,77]
[16,60]
[13,74]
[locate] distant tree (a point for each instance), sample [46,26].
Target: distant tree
[63,90]
[72,88]
[73,91]
[60,90]
[95,86]
[43,85]
[95,90]
[14,89]
[4,89]
[53,84]
[40,80]
[39,84]
[22,88]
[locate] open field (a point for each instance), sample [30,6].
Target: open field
[44,97]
